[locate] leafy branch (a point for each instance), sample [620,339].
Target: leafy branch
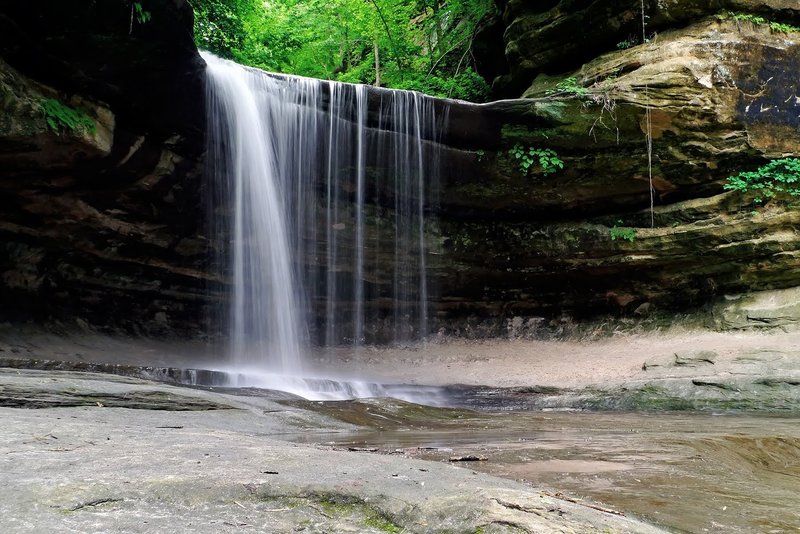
[779,176]
[546,158]
[139,13]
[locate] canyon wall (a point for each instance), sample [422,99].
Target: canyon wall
[108,227]
[102,225]
[723,95]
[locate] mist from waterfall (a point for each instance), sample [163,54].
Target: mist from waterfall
[321,194]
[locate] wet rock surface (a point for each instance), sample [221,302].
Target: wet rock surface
[680,371]
[134,469]
[32,389]
[689,472]
[137,453]
[764,381]
[208,461]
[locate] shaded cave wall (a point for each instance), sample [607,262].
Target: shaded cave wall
[110,228]
[106,228]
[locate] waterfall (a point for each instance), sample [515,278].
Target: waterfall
[322,190]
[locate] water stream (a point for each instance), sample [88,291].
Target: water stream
[319,210]
[688,472]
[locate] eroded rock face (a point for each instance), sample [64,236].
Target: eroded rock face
[110,228]
[699,250]
[722,97]
[102,225]
[769,309]
[149,73]
[28,142]
[560,35]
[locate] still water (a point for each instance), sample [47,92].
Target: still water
[686,472]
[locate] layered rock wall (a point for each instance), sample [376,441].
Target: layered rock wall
[109,226]
[102,224]
[722,95]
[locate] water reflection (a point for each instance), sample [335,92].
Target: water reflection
[695,473]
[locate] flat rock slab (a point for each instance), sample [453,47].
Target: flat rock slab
[93,468]
[42,389]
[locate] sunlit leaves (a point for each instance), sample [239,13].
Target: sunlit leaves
[421,44]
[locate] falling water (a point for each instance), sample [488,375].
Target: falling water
[321,202]
[264,326]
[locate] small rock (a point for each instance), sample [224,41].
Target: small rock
[695,358]
[651,364]
[83,325]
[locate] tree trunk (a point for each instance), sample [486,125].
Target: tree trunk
[377,64]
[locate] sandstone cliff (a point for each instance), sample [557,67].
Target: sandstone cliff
[109,226]
[101,224]
[722,94]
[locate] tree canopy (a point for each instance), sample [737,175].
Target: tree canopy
[422,45]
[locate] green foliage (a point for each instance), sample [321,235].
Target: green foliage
[546,158]
[783,28]
[142,15]
[622,232]
[630,42]
[404,44]
[61,117]
[571,86]
[466,85]
[755,19]
[219,25]
[778,177]
[748,17]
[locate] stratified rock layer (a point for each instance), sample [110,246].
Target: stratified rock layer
[560,35]
[102,226]
[721,96]
[109,227]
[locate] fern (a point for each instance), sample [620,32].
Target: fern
[622,232]
[570,86]
[60,117]
[779,27]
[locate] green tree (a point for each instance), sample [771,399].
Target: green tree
[406,44]
[219,25]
